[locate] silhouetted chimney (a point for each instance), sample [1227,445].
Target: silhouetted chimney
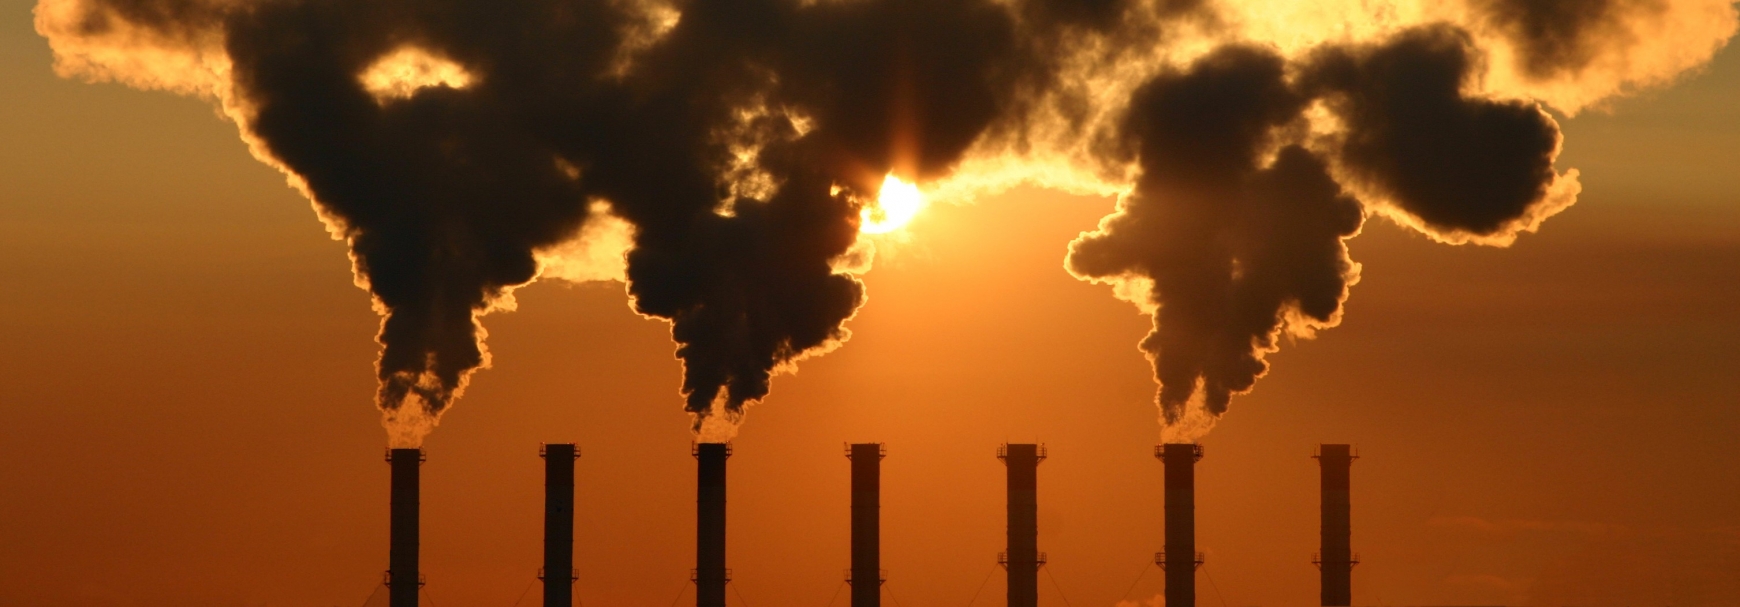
[710,575]
[1336,560]
[1023,558]
[866,575]
[403,579]
[558,573]
[1180,559]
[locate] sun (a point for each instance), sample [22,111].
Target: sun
[896,204]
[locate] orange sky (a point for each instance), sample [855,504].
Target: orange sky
[186,385]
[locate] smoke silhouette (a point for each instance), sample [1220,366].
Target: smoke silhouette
[877,87]
[1558,36]
[716,154]
[1461,167]
[1232,246]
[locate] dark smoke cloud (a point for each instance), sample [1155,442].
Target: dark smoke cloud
[1575,54]
[900,87]
[1235,246]
[741,139]
[446,196]
[443,196]
[1560,36]
[1460,164]
[1236,224]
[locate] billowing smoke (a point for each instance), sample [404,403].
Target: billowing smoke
[1460,167]
[1576,53]
[1232,232]
[723,157]
[454,144]
[818,103]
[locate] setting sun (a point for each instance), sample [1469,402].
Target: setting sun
[896,204]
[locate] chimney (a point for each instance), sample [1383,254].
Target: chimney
[403,579]
[710,574]
[866,575]
[558,573]
[1023,559]
[1336,560]
[1180,559]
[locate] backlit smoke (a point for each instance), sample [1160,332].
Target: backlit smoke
[1233,232]
[724,158]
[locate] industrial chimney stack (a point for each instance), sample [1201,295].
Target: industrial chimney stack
[403,579]
[866,575]
[710,575]
[558,573]
[1336,560]
[1023,559]
[1180,559]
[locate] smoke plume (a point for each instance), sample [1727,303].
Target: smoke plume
[1576,53]
[720,156]
[1455,166]
[1234,240]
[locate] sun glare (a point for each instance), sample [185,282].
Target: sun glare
[896,204]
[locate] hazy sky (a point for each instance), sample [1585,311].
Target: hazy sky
[186,394]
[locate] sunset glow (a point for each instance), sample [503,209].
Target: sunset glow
[896,204]
[1158,303]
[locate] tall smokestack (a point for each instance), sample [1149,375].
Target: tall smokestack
[866,523]
[558,574]
[1180,559]
[1023,558]
[1336,560]
[403,579]
[710,574]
